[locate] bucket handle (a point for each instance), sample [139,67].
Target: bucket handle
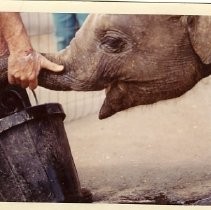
[18,95]
[35,97]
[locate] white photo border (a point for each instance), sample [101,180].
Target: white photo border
[124,7]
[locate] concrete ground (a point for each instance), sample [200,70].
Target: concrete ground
[158,153]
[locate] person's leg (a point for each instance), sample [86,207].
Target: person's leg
[65,28]
[80,18]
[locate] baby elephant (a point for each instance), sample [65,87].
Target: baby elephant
[138,59]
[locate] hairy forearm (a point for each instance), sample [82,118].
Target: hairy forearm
[14,32]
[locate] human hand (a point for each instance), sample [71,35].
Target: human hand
[24,68]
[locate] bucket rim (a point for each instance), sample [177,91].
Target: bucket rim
[31,113]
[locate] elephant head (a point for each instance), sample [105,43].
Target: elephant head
[138,59]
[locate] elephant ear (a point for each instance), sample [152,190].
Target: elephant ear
[199,28]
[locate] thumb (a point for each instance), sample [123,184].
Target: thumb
[45,63]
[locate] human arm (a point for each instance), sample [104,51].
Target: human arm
[24,63]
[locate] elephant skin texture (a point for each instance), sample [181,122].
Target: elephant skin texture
[137,59]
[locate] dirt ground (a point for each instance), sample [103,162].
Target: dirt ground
[158,153]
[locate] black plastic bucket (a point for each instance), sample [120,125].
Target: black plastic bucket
[36,163]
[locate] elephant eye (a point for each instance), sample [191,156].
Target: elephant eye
[113,44]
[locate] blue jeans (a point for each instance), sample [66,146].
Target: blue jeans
[66,26]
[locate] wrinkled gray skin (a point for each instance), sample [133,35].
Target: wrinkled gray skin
[138,59]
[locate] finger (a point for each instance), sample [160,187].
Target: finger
[22,78]
[33,84]
[33,79]
[32,76]
[24,83]
[12,75]
[37,68]
[45,63]
[11,79]
[17,80]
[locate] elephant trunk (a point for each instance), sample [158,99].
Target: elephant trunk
[3,71]
[55,81]
[47,79]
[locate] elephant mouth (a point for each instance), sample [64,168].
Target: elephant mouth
[122,95]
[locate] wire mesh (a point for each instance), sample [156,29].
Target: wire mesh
[76,104]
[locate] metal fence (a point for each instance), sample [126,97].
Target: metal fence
[76,104]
